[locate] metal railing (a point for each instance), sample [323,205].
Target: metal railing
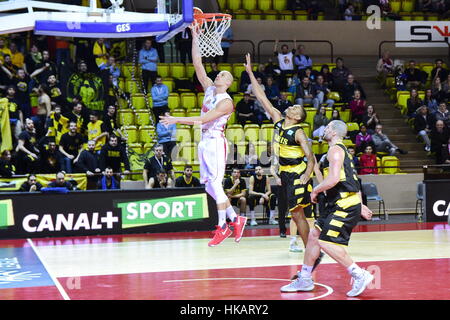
[298,42]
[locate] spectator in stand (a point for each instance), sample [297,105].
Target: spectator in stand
[50,157]
[370,119]
[187,180]
[439,138]
[285,62]
[446,154]
[4,50]
[167,136]
[349,12]
[113,155]
[62,50]
[96,131]
[44,69]
[22,83]
[445,90]
[320,122]
[321,91]
[414,76]
[108,181]
[439,89]
[368,162]
[272,90]
[400,76]
[60,182]
[27,151]
[78,117]
[443,114]
[439,71]
[413,103]
[236,190]
[327,75]
[183,42]
[245,80]
[293,84]
[258,109]
[335,115]
[160,96]
[15,112]
[57,124]
[244,110]
[109,120]
[7,169]
[305,94]
[430,101]
[17,57]
[385,67]
[260,193]
[148,58]
[44,109]
[112,68]
[363,139]
[56,94]
[159,161]
[283,103]
[70,146]
[355,159]
[423,123]
[308,72]
[340,74]
[100,52]
[31,185]
[358,107]
[383,143]
[161,180]
[350,86]
[88,162]
[32,59]
[302,61]
[6,75]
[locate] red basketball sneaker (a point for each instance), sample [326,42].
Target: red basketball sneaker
[239,226]
[220,235]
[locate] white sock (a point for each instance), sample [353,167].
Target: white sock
[230,213]
[272,214]
[306,271]
[354,269]
[293,240]
[222,217]
[252,215]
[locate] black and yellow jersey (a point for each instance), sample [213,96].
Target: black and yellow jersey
[348,184]
[290,154]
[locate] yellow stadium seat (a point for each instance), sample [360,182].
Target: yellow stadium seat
[310,113]
[169,83]
[346,115]
[306,128]
[234,86]
[321,16]
[427,68]
[271,15]
[174,101]
[196,112]
[177,70]
[142,117]
[232,118]
[237,69]
[432,17]
[390,82]
[286,15]
[279,5]
[323,147]
[408,5]
[188,151]
[188,100]
[132,87]
[241,148]
[417,16]
[234,135]
[301,15]
[190,70]
[333,94]
[178,112]
[148,148]
[132,134]
[183,135]
[147,134]
[196,134]
[396,6]
[352,126]
[348,143]
[390,161]
[405,16]
[234,4]
[122,83]
[266,133]
[237,97]
[200,96]
[265,5]
[138,101]
[255,14]
[240,14]
[329,112]
[222,5]
[225,67]
[249,4]
[136,147]
[125,117]
[195,168]
[315,147]
[178,166]
[163,70]
[129,70]
[251,133]
[402,98]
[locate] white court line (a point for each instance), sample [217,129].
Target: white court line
[55,280]
[329,289]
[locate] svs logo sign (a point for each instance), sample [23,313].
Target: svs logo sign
[422,33]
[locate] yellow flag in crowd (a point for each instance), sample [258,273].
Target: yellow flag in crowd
[5,126]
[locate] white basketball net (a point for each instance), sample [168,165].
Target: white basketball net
[210,34]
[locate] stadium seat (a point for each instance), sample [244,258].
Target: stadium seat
[234,135]
[188,100]
[125,117]
[251,132]
[396,6]
[190,70]
[329,112]
[266,132]
[346,115]
[183,135]
[234,4]
[178,112]
[390,161]
[128,70]
[249,4]
[289,96]
[271,15]
[432,17]
[286,15]
[234,86]
[138,101]
[225,67]
[142,117]
[178,166]
[237,69]
[240,14]
[315,147]
[168,82]
[132,134]
[333,94]
[321,16]
[427,67]
[147,134]
[177,70]
[417,16]
[301,15]
[232,119]
[196,112]
[136,147]
[402,97]
[241,147]
[163,70]
[174,101]
[280,5]
[408,5]
[352,126]
[306,128]
[188,151]
[310,113]
[264,5]
[405,16]
[131,87]
[255,14]
[122,83]
[196,134]
[237,97]
[348,143]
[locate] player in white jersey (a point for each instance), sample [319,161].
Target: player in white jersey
[212,149]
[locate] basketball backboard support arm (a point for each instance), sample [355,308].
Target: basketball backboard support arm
[186,20]
[92,22]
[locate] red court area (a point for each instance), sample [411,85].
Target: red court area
[425,279]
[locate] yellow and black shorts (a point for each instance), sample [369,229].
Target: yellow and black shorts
[337,220]
[298,195]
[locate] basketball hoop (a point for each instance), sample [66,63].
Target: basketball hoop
[210,28]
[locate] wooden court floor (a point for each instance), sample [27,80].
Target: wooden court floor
[409,261]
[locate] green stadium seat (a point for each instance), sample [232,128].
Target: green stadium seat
[279,5]
[240,14]
[255,14]
[177,70]
[163,70]
[249,4]
[396,5]
[234,135]
[271,15]
[183,135]
[138,101]
[147,134]
[142,117]
[188,100]
[173,101]
[234,4]
[286,15]
[408,5]
[390,161]
[125,117]
[132,134]
[264,5]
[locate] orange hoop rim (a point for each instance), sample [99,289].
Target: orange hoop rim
[199,17]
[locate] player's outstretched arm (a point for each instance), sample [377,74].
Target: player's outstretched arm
[200,71]
[223,108]
[259,93]
[300,138]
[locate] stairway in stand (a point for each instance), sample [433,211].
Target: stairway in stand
[394,125]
